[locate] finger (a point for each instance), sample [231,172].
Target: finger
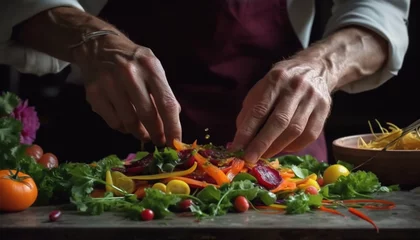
[296,127]
[312,131]
[252,116]
[103,107]
[277,122]
[122,105]
[165,102]
[168,108]
[138,94]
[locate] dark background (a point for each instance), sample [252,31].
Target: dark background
[396,101]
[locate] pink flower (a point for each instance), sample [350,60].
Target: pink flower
[30,122]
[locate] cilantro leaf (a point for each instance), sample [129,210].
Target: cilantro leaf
[301,202]
[164,161]
[356,184]
[106,164]
[10,129]
[8,102]
[159,202]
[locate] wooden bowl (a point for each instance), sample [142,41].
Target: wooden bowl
[392,167]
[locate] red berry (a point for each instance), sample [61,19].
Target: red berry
[185,204]
[55,215]
[241,204]
[311,190]
[320,181]
[147,215]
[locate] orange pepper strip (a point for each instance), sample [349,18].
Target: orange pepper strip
[325,209]
[237,166]
[364,217]
[226,169]
[284,185]
[189,181]
[286,174]
[194,145]
[97,193]
[218,175]
[244,170]
[179,146]
[140,192]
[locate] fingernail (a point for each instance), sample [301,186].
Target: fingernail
[251,157]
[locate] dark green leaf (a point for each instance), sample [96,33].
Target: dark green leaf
[244,176]
[300,173]
[209,194]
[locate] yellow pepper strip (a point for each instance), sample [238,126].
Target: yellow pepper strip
[298,181]
[278,206]
[166,175]
[308,183]
[108,180]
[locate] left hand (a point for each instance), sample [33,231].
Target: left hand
[284,111]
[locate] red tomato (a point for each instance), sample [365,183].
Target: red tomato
[320,181]
[147,215]
[185,204]
[311,190]
[241,204]
[35,151]
[48,160]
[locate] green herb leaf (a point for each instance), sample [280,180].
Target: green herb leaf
[8,102]
[165,160]
[10,129]
[209,194]
[244,176]
[301,202]
[159,202]
[299,172]
[356,184]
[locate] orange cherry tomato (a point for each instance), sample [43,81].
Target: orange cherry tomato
[35,151]
[17,191]
[48,160]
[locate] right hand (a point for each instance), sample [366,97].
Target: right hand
[126,85]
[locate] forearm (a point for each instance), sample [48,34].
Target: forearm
[54,30]
[348,55]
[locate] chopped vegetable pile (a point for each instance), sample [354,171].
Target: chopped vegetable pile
[205,180]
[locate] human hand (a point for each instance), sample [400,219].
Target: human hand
[284,111]
[126,85]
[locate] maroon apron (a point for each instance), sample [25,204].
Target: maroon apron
[213,52]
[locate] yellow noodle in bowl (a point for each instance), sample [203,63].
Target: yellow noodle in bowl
[410,141]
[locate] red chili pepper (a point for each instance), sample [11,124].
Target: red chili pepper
[364,217]
[325,209]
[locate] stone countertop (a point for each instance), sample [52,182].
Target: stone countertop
[402,222]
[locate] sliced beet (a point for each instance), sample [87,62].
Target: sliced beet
[137,167]
[266,176]
[186,158]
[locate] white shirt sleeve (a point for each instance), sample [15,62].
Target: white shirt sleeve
[22,58]
[388,18]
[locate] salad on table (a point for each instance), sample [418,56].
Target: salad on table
[205,181]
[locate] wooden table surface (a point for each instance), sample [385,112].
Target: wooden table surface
[402,222]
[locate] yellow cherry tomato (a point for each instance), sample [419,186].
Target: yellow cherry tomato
[308,183]
[160,186]
[177,187]
[333,172]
